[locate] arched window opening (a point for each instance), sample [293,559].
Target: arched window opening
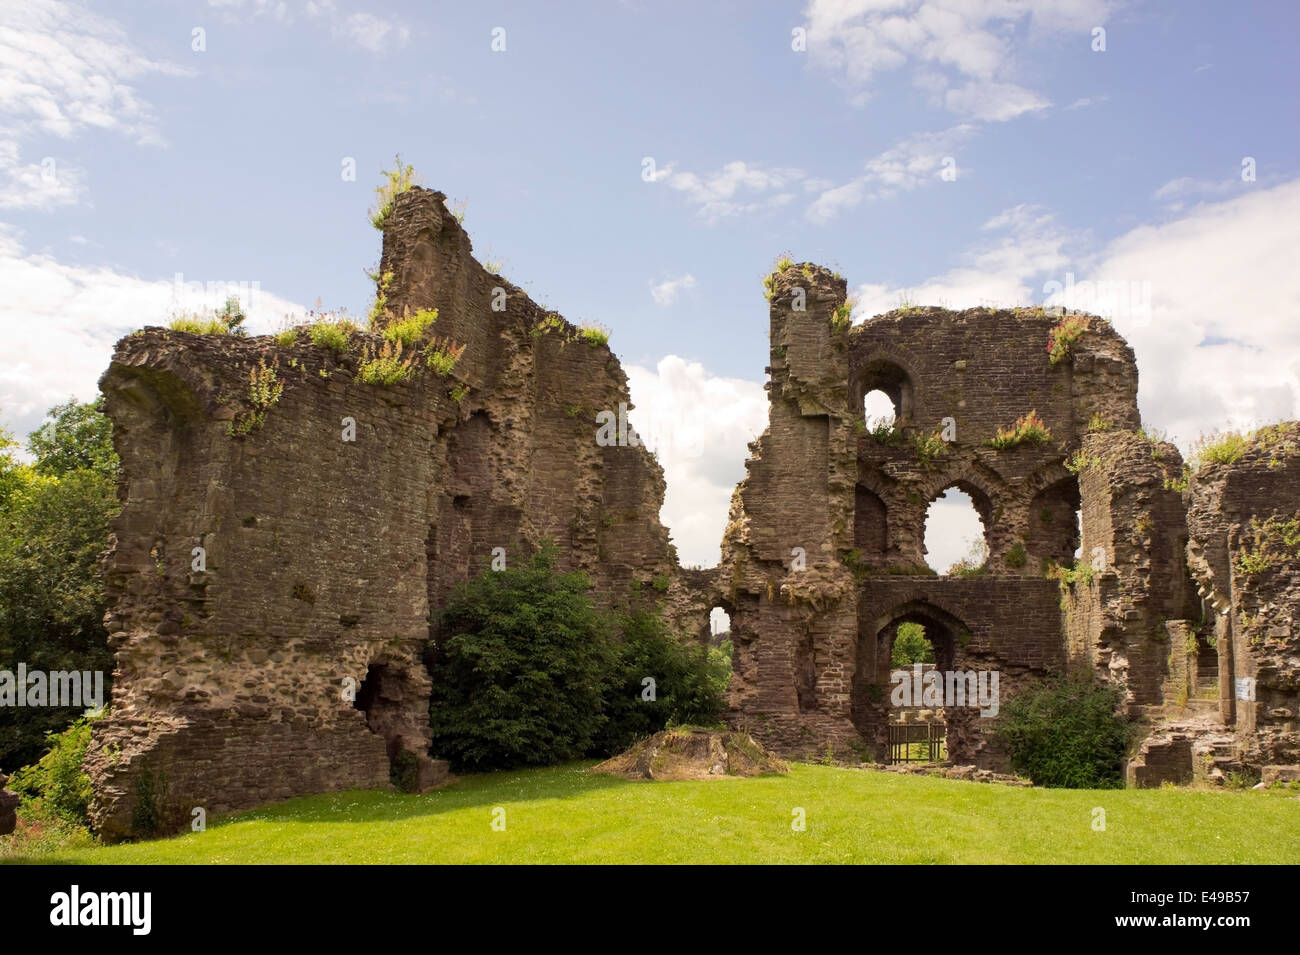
[879,411]
[956,543]
[886,390]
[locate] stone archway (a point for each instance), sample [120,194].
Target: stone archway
[870,706]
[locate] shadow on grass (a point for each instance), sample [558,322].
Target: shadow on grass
[477,789]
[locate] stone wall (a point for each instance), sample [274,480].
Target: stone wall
[289,660]
[824,553]
[272,584]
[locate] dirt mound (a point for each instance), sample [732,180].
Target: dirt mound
[687,753]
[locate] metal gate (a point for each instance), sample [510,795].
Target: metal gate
[917,743]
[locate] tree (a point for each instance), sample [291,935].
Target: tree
[687,688]
[54,517]
[79,437]
[911,646]
[519,666]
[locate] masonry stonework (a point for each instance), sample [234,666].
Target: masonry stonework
[256,574]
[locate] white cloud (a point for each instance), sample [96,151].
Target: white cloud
[42,185]
[965,43]
[998,272]
[1217,338]
[699,425]
[907,165]
[60,323]
[371,32]
[665,293]
[994,102]
[737,188]
[1085,101]
[65,69]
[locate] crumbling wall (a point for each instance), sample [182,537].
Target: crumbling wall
[1133,583]
[1244,523]
[272,581]
[824,552]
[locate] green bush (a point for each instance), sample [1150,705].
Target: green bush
[332,335]
[689,682]
[57,778]
[526,671]
[1066,734]
[519,668]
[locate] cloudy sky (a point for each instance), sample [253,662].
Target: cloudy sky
[642,164]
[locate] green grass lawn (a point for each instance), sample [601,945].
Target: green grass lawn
[564,814]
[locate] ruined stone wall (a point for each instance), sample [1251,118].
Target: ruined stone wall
[324,560]
[1135,584]
[824,553]
[1244,522]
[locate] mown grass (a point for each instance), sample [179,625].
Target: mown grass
[565,814]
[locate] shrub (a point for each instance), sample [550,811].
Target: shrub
[148,812]
[689,682]
[886,432]
[1016,556]
[1080,462]
[1219,449]
[411,328]
[443,356]
[197,325]
[1275,540]
[287,337]
[227,320]
[594,335]
[527,672]
[842,318]
[1028,429]
[1061,339]
[396,181]
[1066,734]
[332,335]
[57,778]
[386,368]
[929,446]
[520,665]
[264,390]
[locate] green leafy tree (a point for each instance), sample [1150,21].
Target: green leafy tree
[911,646]
[54,517]
[1066,734]
[519,667]
[78,437]
[688,687]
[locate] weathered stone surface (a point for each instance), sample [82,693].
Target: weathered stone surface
[325,559]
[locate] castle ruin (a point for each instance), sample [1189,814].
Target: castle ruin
[272,584]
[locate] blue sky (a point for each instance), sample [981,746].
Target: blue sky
[224,164]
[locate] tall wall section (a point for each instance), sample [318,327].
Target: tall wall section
[824,553]
[272,584]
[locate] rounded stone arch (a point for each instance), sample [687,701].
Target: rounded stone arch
[883,370]
[985,510]
[1052,530]
[943,629]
